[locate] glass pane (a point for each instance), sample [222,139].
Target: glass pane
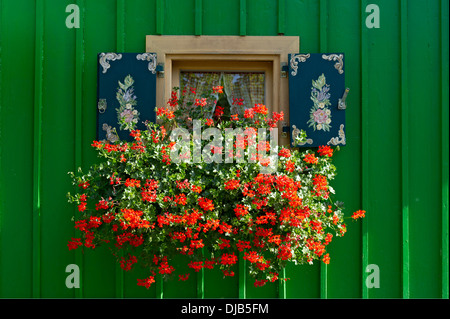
[201,81]
[242,90]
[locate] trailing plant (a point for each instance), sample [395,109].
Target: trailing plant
[151,199]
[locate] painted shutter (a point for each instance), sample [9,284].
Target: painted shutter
[316,86]
[115,67]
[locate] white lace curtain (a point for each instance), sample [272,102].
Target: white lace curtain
[246,87]
[195,83]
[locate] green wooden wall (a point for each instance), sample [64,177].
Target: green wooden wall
[395,164]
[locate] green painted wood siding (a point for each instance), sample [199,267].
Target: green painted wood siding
[395,164]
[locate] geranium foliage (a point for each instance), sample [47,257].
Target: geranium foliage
[141,202]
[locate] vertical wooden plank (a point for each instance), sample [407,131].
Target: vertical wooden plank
[323,24]
[201,284]
[139,23]
[424,147]
[405,145]
[382,176]
[281,17]
[282,291]
[323,280]
[79,63]
[261,17]
[300,16]
[16,171]
[120,47]
[159,17]
[243,18]
[37,148]
[219,19]
[1,100]
[364,145]
[201,280]
[159,287]
[120,13]
[323,28]
[198,17]
[343,276]
[444,144]
[242,276]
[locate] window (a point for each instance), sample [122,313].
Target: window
[241,89]
[228,57]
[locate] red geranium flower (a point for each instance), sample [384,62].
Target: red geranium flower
[206,204]
[325,151]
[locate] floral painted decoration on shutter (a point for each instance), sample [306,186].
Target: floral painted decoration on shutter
[127,115]
[126,93]
[316,86]
[320,114]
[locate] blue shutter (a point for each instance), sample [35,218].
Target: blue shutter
[316,86]
[115,67]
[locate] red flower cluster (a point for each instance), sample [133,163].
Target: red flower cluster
[284,152]
[217,89]
[241,245]
[234,117]
[74,243]
[183,277]
[290,166]
[196,189]
[196,265]
[253,257]
[126,264]
[240,210]
[320,185]
[130,182]
[133,219]
[238,101]
[164,268]
[84,185]
[311,159]
[260,283]
[260,109]
[326,259]
[163,112]
[228,259]
[275,119]
[146,282]
[173,101]
[224,243]
[206,204]
[200,102]
[249,114]
[232,184]
[181,199]
[165,154]
[359,214]
[325,151]
[218,112]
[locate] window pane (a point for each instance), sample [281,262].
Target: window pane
[242,89]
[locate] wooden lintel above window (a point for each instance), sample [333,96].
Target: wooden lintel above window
[279,45]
